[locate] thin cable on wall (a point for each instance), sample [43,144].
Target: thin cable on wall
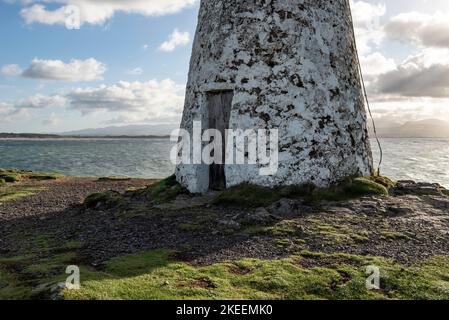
[364,90]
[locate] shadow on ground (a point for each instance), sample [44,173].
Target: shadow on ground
[190,236]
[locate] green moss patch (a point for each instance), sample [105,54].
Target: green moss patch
[108,199]
[13,175]
[45,176]
[349,189]
[252,196]
[158,275]
[10,177]
[247,195]
[384,181]
[31,276]
[165,190]
[363,187]
[10,194]
[114,179]
[11,287]
[190,227]
[392,235]
[155,275]
[341,233]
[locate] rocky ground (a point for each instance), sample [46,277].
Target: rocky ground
[409,225]
[46,208]
[412,224]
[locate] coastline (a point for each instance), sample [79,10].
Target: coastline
[87,138]
[117,229]
[68,138]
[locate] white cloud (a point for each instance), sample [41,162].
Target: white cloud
[53,120]
[416,88]
[6,112]
[39,101]
[12,111]
[176,39]
[124,102]
[75,70]
[425,30]
[98,12]
[375,64]
[135,72]
[132,101]
[367,26]
[11,70]
[38,14]
[422,75]
[410,109]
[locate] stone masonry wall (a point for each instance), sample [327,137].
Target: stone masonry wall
[292,65]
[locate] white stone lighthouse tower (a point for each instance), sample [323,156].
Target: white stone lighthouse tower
[289,65]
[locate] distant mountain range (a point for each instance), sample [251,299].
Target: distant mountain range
[429,128]
[131,130]
[43,136]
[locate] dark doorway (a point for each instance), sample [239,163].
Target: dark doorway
[219,106]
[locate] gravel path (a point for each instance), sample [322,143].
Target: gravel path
[59,195]
[43,212]
[405,227]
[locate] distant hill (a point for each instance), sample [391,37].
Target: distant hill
[429,128]
[27,136]
[131,130]
[38,136]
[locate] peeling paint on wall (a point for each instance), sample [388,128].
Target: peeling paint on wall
[292,66]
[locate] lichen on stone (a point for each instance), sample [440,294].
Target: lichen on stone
[292,66]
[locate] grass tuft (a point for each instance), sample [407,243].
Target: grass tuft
[45,176]
[108,199]
[13,175]
[33,275]
[392,235]
[113,178]
[252,196]
[155,275]
[11,194]
[365,186]
[165,190]
[247,195]
[384,181]
[9,177]
[190,227]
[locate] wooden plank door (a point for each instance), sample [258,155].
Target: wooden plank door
[219,108]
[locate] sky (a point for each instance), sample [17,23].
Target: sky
[126,61]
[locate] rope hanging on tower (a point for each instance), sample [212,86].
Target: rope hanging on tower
[364,88]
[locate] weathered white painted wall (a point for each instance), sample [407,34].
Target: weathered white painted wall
[292,65]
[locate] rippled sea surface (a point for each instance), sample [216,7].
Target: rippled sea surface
[416,159]
[149,158]
[425,160]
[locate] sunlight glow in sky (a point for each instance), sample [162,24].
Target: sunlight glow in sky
[128,62]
